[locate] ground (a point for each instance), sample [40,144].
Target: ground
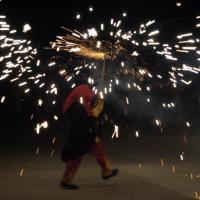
[141,174]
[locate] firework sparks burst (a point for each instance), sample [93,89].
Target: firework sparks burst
[128,57]
[127,54]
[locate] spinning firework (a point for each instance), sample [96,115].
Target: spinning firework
[136,60]
[129,53]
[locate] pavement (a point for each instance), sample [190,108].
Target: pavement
[150,168]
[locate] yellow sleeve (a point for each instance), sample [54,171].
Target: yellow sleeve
[98,108]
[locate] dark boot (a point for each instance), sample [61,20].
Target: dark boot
[113,173]
[69,186]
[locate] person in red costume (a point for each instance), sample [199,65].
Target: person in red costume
[82,93]
[83,108]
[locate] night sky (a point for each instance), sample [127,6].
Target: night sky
[47,18]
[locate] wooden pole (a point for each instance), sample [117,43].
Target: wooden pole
[102,75]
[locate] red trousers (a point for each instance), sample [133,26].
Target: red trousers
[72,165]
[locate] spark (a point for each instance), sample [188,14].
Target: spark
[53,141]
[186,82]
[41,85]
[42,125]
[150,23]
[102,27]
[101,95]
[21,172]
[173,169]
[73,85]
[148,88]
[196,195]
[135,53]
[198,25]
[15,79]
[26,28]
[38,63]
[153,33]
[189,48]
[124,14]
[52,153]
[162,162]
[112,21]
[191,176]
[184,35]
[55,117]
[183,51]
[4,29]
[105,90]
[3,99]
[13,31]
[40,102]
[51,64]
[54,90]
[127,100]
[37,151]
[187,41]
[164,105]
[158,122]
[81,100]
[27,90]
[178,4]
[98,44]
[181,156]
[137,134]
[23,83]
[116,132]
[91,9]
[187,124]
[92,32]
[78,16]
[172,104]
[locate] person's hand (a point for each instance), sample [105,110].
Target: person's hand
[97,139]
[98,108]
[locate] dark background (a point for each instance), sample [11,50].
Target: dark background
[46,18]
